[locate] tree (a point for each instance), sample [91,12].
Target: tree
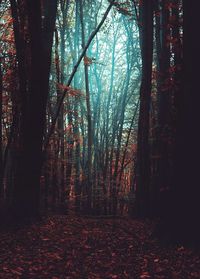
[183,212]
[89,117]
[1,151]
[33,28]
[143,163]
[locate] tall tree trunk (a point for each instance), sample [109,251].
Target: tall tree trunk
[89,119]
[27,177]
[143,167]
[1,150]
[77,152]
[59,61]
[161,179]
[184,207]
[164,103]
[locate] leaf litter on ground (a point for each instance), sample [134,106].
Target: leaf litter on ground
[69,247]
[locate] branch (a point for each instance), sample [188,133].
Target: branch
[136,13]
[60,102]
[127,140]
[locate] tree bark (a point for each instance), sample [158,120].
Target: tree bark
[185,207]
[143,164]
[27,176]
[1,150]
[89,119]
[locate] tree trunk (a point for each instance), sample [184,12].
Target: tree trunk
[185,207]
[89,119]
[143,164]
[1,150]
[27,176]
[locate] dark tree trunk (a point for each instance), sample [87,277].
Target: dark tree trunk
[143,164]
[1,150]
[185,207]
[27,176]
[161,180]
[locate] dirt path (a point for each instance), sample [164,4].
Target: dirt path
[70,247]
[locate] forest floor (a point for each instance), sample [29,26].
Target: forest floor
[67,247]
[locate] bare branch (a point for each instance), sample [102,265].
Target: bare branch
[59,104]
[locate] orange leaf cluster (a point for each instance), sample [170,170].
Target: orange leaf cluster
[87,60]
[71,91]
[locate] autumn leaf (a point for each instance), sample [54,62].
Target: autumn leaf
[45,239]
[145,275]
[124,11]
[113,276]
[62,86]
[87,61]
